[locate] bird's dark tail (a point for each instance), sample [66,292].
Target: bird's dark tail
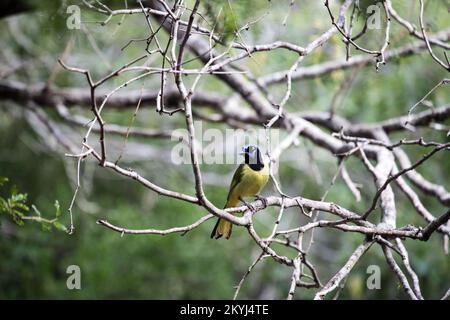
[224,227]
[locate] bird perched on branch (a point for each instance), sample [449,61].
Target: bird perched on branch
[248,180]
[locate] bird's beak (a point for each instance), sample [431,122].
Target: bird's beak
[242,152]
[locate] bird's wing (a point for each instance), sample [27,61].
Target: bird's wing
[237,177]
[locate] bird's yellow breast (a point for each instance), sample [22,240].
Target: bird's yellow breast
[252,182]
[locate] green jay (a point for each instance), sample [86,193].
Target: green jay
[249,179]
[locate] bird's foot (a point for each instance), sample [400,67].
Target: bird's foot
[263,200]
[249,205]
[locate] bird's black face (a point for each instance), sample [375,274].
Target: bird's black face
[252,156]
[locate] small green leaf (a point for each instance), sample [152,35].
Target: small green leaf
[19,197]
[17,217]
[58,209]
[21,206]
[3,205]
[18,213]
[38,213]
[59,226]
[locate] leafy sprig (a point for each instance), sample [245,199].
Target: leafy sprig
[15,205]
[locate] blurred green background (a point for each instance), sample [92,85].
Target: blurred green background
[33,262]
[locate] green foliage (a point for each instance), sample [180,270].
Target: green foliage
[15,205]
